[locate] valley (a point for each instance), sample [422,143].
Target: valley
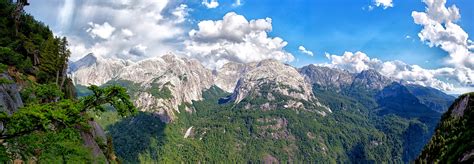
[238,81]
[270,115]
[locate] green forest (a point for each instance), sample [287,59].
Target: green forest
[44,118]
[50,124]
[228,132]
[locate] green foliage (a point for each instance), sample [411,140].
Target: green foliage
[10,57]
[33,42]
[82,91]
[163,93]
[4,80]
[50,126]
[130,85]
[38,120]
[51,146]
[232,133]
[3,67]
[41,93]
[114,95]
[453,138]
[239,133]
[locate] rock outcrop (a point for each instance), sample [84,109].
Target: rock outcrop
[453,142]
[162,83]
[226,77]
[10,99]
[287,79]
[325,77]
[371,79]
[166,83]
[95,70]
[278,84]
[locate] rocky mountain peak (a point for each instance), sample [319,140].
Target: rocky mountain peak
[95,70]
[86,61]
[330,78]
[371,79]
[227,76]
[286,78]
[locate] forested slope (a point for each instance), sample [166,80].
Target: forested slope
[40,118]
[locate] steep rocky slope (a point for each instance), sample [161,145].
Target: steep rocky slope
[167,82]
[328,78]
[270,79]
[287,78]
[158,85]
[453,141]
[226,77]
[10,99]
[95,70]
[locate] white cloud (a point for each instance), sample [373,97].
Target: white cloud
[138,50]
[210,3]
[383,3]
[114,28]
[127,33]
[103,31]
[181,12]
[446,79]
[305,51]
[352,62]
[234,38]
[440,30]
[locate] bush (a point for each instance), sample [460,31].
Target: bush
[10,57]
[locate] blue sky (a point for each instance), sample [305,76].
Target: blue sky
[353,35]
[336,26]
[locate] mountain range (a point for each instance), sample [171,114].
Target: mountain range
[174,88]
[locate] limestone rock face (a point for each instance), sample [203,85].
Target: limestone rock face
[160,84]
[371,79]
[269,78]
[94,70]
[182,78]
[329,78]
[226,77]
[287,79]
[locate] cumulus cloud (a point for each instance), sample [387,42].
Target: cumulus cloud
[446,78]
[181,12]
[236,39]
[138,50]
[210,3]
[305,51]
[383,3]
[440,30]
[114,28]
[103,31]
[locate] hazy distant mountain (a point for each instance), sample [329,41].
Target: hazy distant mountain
[433,98]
